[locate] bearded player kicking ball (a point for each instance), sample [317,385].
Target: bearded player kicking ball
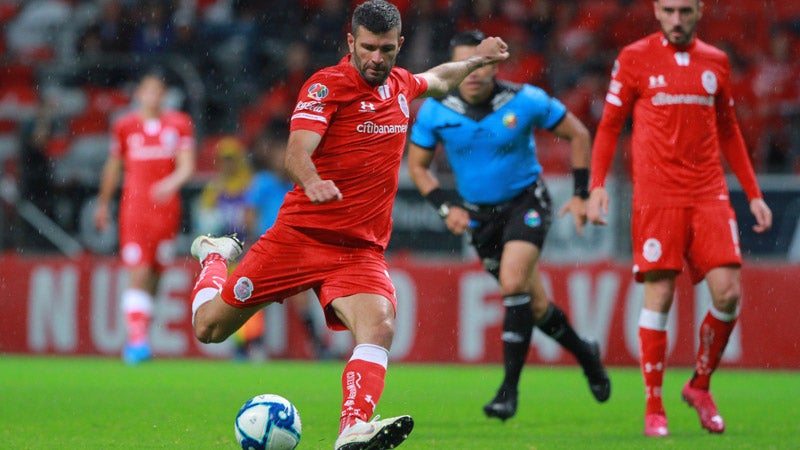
[678,88]
[347,139]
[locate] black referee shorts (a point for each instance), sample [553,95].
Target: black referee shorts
[526,217]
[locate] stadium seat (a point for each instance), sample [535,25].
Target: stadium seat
[9,146]
[17,102]
[83,161]
[90,122]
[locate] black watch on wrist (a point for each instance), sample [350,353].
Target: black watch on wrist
[444,210]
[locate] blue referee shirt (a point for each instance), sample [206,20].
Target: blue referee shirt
[490,147]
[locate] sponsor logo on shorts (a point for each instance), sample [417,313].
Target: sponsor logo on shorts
[651,250]
[532,218]
[243,289]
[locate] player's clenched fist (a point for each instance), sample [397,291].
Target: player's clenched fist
[493,49]
[322,191]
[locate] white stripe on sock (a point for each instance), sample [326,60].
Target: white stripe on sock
[371,353]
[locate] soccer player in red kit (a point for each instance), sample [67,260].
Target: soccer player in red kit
[678,89]
[155,150]
[348,132]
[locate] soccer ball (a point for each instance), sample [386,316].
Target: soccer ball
[268,422]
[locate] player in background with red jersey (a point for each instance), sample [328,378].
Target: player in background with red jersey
[346,143]
[678,89]
[155,149]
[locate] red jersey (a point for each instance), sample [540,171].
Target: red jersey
[363,129]
[682,117]
[149,148]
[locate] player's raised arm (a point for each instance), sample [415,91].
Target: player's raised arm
[301,169]
[445,77]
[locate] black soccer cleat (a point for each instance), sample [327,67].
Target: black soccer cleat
[596,374]
[504,405]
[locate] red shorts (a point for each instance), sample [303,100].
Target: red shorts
[147,238]
[704,236]
[284,262]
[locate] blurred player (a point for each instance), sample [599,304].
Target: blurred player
[678,89]
[155,150]
[347,139]
[504,202]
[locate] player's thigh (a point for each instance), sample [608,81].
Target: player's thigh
[215,320]
[370,317]
[354,272]
[715,239]
[659,237]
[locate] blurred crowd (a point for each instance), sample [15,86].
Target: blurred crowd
[251,56]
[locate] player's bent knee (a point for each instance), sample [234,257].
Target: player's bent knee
[380,333]
[728,300]
[209,332]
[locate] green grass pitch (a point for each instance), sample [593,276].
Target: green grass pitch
[97,403]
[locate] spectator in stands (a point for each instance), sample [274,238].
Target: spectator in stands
[523,65]
[155,32]
[223,203]
[432,29]
[293,67]
[540,24]
[323,31]
[38,29]
[777,90]
[110,32]
[35,164]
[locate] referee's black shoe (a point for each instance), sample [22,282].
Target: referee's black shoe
[595,373]
[504,405]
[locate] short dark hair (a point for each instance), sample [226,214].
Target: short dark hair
[377,16]
[469,38]
[157,72]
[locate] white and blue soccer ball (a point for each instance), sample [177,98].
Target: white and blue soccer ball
[268,422]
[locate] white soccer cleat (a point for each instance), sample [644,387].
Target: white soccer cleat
[229,247]
[376,434]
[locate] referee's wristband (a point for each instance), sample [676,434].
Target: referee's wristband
[581,179]
[440,200]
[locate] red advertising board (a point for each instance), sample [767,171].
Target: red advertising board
[447,312]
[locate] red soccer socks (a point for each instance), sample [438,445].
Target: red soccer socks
[362,383]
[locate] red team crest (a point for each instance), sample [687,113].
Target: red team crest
[243,289]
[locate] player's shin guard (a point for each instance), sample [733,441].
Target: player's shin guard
[517,332]
[714,332]
[209,282]
[653,350]
[362,383]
